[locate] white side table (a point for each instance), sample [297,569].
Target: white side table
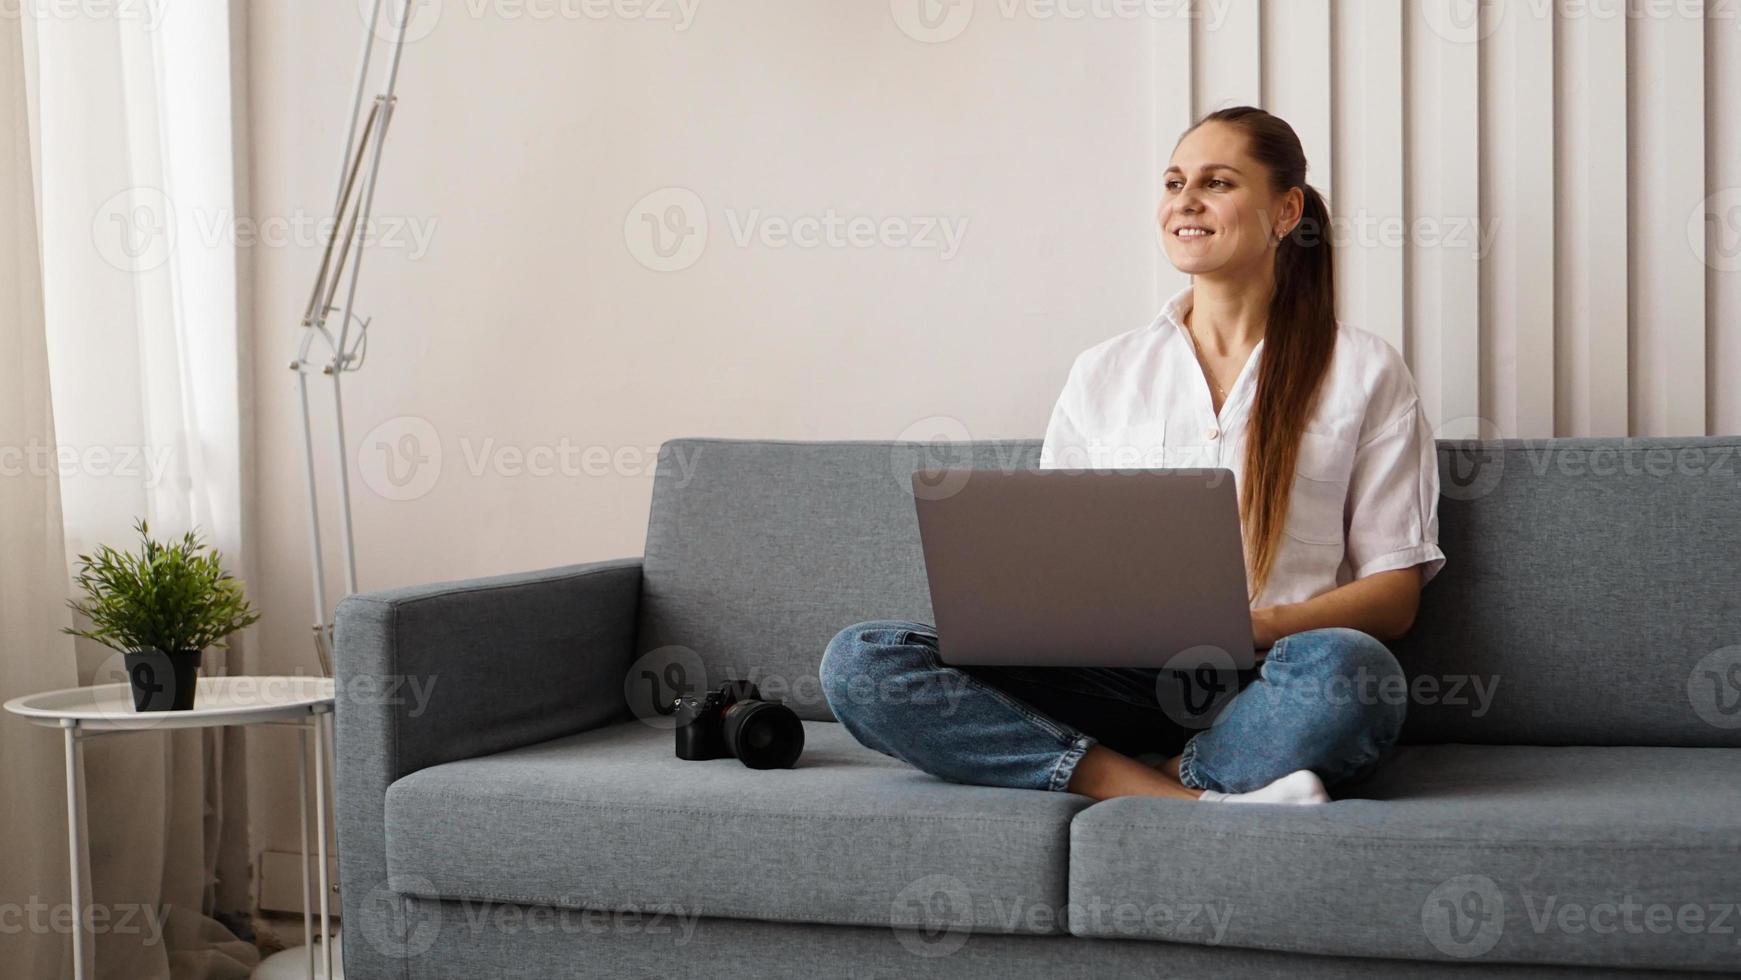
[88,712]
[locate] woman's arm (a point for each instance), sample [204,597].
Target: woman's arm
[1382,604]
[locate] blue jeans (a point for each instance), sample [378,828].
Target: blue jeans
[1328,700]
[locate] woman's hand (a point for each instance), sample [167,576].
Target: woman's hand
[1383,605]
[1264,629]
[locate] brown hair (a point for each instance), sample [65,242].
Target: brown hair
[1299,338]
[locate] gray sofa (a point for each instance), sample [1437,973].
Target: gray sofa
[1569,794]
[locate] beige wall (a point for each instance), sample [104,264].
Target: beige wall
[526,146]
[530,324]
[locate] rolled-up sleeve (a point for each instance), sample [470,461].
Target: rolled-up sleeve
[1393,498]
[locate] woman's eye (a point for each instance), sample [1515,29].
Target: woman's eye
[1217,181]
[1173,185]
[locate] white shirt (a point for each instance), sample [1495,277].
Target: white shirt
[1366,486]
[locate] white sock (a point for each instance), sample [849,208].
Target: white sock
[1301,787]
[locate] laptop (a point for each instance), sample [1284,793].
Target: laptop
[1085,568]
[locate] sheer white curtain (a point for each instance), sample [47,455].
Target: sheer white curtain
[134,142]
[34,655]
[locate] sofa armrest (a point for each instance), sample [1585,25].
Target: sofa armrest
[434,673]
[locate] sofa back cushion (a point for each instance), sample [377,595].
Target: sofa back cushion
[1592,593]
[759,552]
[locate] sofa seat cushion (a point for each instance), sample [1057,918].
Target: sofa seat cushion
[609,819]
[1601,856]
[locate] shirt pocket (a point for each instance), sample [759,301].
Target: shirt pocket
[1321,476]
[1131,446]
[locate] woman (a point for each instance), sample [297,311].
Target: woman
[1338,488]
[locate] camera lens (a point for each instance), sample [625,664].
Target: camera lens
[763,734]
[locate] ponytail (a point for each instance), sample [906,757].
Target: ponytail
[1298,342]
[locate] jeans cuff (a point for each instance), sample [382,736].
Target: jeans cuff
[1065,767]
[1191,774]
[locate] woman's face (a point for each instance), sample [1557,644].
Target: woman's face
[1218,216]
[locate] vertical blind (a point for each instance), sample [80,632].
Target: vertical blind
[1537,201]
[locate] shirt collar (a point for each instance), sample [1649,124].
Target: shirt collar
[1174,311]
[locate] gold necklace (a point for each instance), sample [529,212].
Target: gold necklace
[1204,365]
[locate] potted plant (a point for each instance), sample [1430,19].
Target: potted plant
[162,608]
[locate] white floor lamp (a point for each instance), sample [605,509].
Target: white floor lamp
[345,345]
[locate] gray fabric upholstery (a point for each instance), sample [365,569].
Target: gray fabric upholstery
[434,673]
[1591,596]
[759,552]
[1587,580]
[1548,845]
[610,819]
[453,940]
[1596,582]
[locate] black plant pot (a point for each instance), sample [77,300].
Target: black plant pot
[163,681]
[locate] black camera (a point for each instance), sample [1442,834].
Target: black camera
[735,723]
